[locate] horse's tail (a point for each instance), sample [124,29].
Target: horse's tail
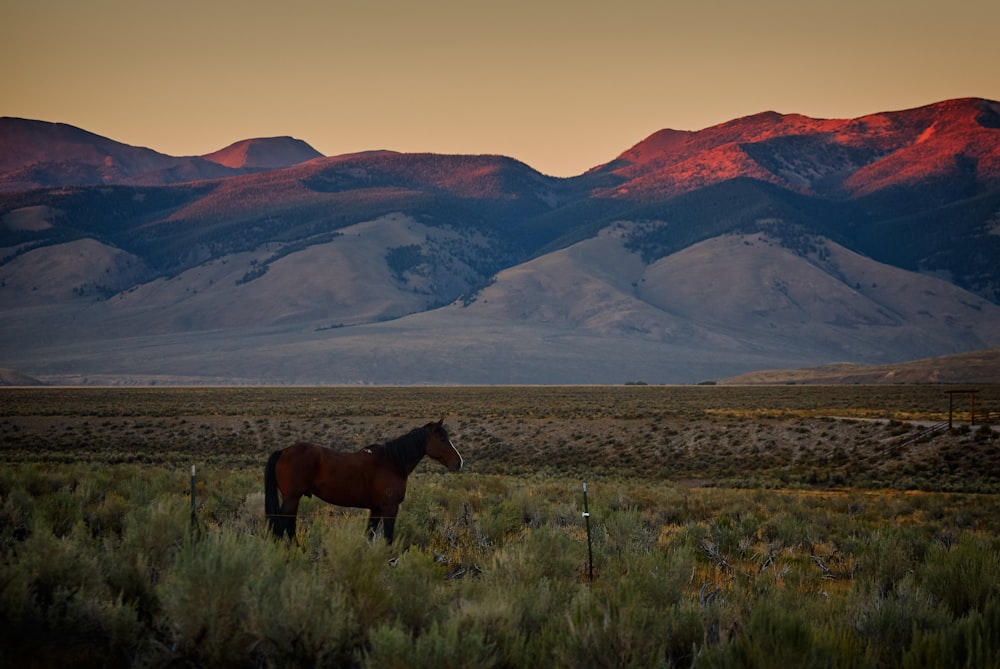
[272,507]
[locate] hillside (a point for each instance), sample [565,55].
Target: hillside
[11,377]
[773,241]
[974,367]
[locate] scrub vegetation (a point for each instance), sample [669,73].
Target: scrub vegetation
[743,527]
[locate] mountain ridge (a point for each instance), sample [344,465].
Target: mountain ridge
[40,154]
[775,240]
[685,160]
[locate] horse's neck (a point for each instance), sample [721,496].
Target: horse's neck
[407,451]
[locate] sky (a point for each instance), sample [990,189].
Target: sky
[562,85]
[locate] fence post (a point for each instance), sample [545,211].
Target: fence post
[590,550]
[194,515]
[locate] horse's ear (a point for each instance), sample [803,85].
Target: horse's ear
[441,422]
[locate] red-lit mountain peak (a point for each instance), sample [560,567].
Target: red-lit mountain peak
[671,146]
[264,153]
[954,138]
[671,161]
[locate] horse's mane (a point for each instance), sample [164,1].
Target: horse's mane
[407,451]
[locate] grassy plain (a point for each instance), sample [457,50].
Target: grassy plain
[763,526]
[735,436]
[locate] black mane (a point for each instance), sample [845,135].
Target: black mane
[408,450]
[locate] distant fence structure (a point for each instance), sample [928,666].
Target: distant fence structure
[926,433]
[945,425]
[971,392]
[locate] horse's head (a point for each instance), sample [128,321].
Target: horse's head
[440,448]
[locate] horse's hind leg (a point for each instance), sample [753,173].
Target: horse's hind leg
[288,515]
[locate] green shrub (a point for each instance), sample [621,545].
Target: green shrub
[965,577]
[623,533]
[297,612]
[971,643]
[418,590]
[205,598]
[344,555]
[499,522]
[421,517]
[606,630]
[154,534]
[53,596]
[58,512]
[445,644]
[787,529]
[16,516]
[889,621]
[107,516]
[777,635]
[886,556]
[548,553]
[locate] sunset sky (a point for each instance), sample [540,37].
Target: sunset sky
[562,85]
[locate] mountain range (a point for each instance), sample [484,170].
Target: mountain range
[770,241]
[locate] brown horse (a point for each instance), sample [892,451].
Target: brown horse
[373,478]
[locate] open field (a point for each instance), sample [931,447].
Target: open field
[736,436]
[731,527]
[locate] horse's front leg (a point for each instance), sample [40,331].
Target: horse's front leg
[389,526]
[374,518]
[386,516]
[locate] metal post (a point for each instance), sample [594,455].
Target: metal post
[590,550]
[194,516]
